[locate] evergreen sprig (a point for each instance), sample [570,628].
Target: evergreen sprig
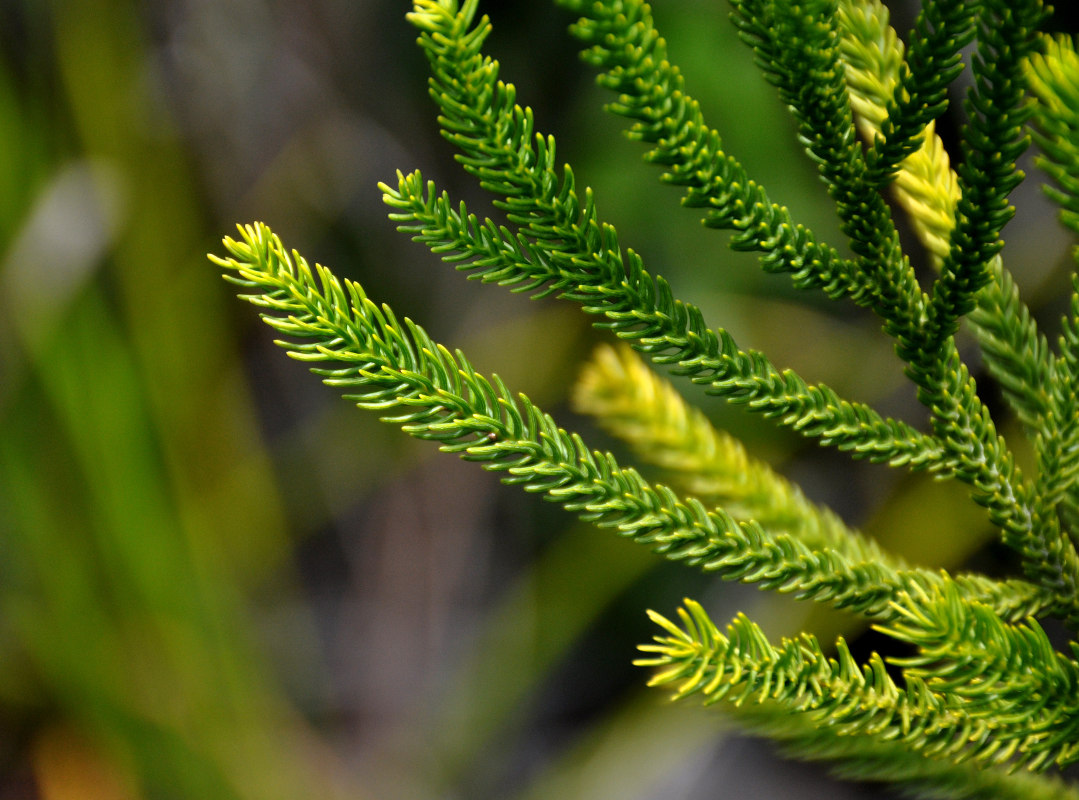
[382,363]
[1016,353]
[1008,673]
[873,60]
[993,140]
[997,719]
[581,260]
[810,79]
[970,445]
[635,404]
[1054,82]
[920,95]
[862,758]
[622,40]
[984,690]
[797,45]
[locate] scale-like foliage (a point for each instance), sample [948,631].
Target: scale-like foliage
[984,691]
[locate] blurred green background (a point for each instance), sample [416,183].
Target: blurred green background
[217,578]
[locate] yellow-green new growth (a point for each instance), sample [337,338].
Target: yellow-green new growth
[636,405]
[925,185]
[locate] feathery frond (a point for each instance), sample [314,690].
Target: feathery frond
[1008,674]
[1016,354]
[863,758]
[798,47]
[993,141]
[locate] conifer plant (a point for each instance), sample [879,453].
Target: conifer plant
[984,705]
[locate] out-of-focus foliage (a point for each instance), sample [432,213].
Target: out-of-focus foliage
[218,583]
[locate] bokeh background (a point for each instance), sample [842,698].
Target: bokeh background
[220,580]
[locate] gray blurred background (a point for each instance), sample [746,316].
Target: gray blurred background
[220,580]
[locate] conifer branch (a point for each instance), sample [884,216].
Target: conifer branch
[821,106]
[925,185]
[631,401]
[1016,354]
[799,48]
[861,758]
[988,174]
[984,690]
[968,653]
[993,140]
[583,262]
[742,666]
[1054,81]
[480,116]
[933,61]
[622,40]
[635,404]
[382,364]
[1057,444]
